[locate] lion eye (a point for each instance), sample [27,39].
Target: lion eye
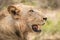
[31,10]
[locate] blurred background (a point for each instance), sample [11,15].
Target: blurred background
[51,8]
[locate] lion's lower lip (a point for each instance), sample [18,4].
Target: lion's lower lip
[37,30]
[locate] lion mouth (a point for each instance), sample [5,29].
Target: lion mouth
[35,28]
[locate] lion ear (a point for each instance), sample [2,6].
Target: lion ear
[13,10]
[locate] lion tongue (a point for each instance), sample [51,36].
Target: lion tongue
[35,27]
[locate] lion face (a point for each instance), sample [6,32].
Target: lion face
[28,16]
[35,20]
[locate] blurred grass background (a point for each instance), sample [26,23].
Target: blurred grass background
[51,30]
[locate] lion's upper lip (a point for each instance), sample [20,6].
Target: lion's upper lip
[43,23]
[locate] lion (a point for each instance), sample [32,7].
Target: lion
[20,22]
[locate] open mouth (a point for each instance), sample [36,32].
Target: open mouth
[35,28]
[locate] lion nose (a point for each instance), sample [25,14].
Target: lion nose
[45,18]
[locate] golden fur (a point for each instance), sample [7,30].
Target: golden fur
[16,22]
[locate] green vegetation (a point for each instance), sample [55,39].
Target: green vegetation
[51,27]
